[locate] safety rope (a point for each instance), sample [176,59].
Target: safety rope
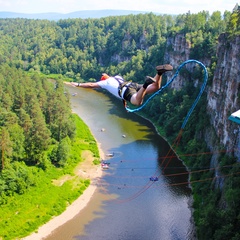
[167,159]
[169,82]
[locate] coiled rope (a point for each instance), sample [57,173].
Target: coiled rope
[169,82]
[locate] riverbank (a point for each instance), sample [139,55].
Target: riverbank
[85,169]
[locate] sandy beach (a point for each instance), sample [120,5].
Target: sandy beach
[85,169]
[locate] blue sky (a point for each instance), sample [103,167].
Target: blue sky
[158,6]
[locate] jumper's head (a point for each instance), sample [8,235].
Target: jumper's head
[104,76]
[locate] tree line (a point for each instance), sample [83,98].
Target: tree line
[34,114]
[82,48]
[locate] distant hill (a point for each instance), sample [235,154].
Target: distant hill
[79,14]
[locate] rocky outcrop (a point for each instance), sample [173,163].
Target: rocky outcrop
[177,52]
[223,94]
[128,43]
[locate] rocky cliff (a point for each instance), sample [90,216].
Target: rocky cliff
[222,91]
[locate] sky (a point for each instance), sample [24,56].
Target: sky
[156,6]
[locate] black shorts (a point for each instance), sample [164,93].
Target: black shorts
[131,90]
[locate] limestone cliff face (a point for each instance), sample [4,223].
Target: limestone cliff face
[128,43]
[178,51]
[222,93]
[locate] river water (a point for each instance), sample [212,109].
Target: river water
[127,205]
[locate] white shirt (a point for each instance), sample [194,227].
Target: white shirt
[111,85]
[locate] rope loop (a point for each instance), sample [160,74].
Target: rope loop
[169,82]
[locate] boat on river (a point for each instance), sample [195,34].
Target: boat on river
[110,154]
[104,162]
[105,166]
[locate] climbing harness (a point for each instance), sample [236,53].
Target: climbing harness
[122,83]
[169,82]
[121,86]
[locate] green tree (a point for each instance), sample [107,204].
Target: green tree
[63,151]
[18,139]
[39,137]
[5,147]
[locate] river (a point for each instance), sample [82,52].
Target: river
[127,205]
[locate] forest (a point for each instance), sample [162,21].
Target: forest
[38,132]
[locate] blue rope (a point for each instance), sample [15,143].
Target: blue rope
[169,82]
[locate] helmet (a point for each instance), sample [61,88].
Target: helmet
[104,76]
